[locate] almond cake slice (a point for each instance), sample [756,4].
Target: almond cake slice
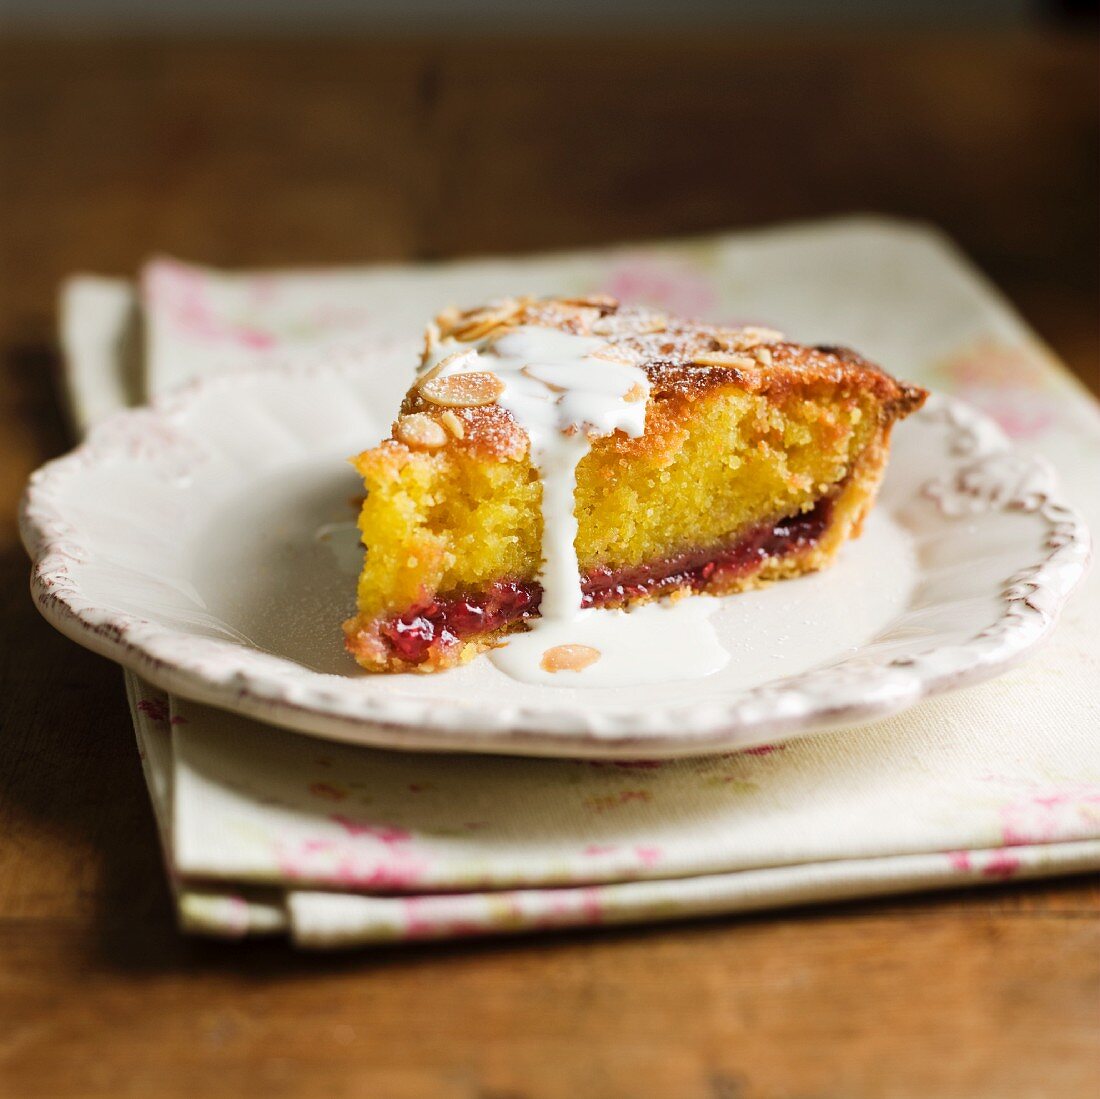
[570,453]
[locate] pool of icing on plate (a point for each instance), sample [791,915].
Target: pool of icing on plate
[564,394]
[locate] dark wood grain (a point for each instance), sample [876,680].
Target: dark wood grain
[292,151]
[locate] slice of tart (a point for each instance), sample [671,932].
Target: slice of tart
[558,455]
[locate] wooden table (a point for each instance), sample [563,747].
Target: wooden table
[287,151]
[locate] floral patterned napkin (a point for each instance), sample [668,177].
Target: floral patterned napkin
[268,831]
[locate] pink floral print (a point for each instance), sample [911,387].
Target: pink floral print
[1009,383]
[181,294]
[1050,815]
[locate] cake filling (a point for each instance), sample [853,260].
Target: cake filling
[447,621]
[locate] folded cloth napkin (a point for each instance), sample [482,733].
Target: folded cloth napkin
[268,831]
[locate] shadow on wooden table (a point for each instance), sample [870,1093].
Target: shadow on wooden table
[158,946]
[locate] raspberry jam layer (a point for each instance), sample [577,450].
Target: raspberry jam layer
[450,620]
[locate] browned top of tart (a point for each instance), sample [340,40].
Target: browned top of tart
[683,360]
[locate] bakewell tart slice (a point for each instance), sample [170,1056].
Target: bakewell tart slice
[558,455]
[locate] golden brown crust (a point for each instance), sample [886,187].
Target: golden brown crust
[682,359]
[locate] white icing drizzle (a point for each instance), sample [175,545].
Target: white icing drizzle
[564,396]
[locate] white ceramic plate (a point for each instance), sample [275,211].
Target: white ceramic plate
[206,544]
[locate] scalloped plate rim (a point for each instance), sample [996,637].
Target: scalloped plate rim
[812,701]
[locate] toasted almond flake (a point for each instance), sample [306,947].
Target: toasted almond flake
[480,322]
[612,354]
[454,359]
[593,301]
[741,339]
[419,431]
[428,375]
[762,335]
[431,338]
[453,423]
[569,658]
[629,324]
[498,332]
[762,355]
[468,390]
[635,393]
[720,358]
[471,332]
[446,319]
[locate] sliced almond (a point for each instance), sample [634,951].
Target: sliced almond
[453,423]
[480,322]
[635,393]
[477,331]
[741,339]
[629,324]
[762,355]
[569,658]
[429,374]
[468,390]
[612,353]
[720,358]
[419,431]
[452,360]
[446,319]
[456,358]
[488,343]
[594,301]
[762,335]
[431,338]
